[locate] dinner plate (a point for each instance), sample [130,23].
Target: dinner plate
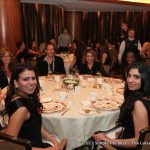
[115,81]
[118,81]
[120,90]
[82,112]
[105,105]
[54,106]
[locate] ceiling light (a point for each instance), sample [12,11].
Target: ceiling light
[137,1]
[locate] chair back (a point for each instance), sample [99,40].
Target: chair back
[144,139]
[8,142]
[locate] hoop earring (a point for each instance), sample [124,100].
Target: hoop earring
[16,86]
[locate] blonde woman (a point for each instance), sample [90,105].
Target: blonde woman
[6,66]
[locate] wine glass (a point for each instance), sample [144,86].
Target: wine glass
[49,72]
[98,74]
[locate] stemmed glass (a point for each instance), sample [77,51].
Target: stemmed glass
[113,88]
[49,72]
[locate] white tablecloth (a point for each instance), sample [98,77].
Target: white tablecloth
[77,128]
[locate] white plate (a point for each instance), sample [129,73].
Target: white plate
[82,112]
[54,106]
[105,105]
[120,90]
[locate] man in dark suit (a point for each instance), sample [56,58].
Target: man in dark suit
[49,63]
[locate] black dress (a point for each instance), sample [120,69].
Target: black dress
[129,129]
[31,128]
[3,79]
[85,70]
[96,67]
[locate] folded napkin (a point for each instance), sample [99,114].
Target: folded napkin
[46,99]
[90,79]
[86,102]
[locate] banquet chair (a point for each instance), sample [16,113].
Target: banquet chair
[8,142]
[144,141]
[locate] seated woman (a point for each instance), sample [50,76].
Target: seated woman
[6,61]
[135,111]
[90,64]
[22,53]
[32,51]
[105,58]
[24,109]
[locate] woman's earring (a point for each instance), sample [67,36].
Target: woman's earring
[16,86]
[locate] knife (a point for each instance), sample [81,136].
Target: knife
[65,112]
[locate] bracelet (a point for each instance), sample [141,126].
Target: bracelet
[49,137]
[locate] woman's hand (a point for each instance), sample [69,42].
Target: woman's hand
[117,133]
[56,143]
[101,137]
[53,148]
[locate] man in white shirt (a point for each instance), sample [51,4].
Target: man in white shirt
[129,44]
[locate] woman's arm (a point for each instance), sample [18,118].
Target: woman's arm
[104,57]
[49,137]
[73,62]
[30,51]
[140,119]
[16,121]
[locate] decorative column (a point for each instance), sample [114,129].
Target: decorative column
[10,26]
[74,20]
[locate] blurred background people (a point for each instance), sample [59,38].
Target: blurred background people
[53,41]
[97,49]
[64,41]
[50,64]
[77,60]
[73,48]
[145,50]
[6,66]
[124,31]
[22,53]
[32,51]
[131,43]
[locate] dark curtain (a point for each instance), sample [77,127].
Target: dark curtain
[41,22]
[106,25]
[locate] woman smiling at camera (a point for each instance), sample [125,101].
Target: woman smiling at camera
[90,64]
[135,111]
[6,66]
[23,106]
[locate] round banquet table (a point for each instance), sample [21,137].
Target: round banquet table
[74,125]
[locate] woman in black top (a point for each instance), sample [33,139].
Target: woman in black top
[23,106]
[90,64]
[6,66]
[135,111]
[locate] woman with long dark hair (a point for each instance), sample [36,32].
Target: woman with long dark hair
[135,111]
[24,109]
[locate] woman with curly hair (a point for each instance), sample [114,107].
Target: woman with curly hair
[135,111]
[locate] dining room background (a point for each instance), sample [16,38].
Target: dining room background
[41,22]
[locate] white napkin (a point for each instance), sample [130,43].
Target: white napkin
[46,99]
[90,79]
[86,103]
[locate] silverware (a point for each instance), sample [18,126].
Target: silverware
[65,111]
